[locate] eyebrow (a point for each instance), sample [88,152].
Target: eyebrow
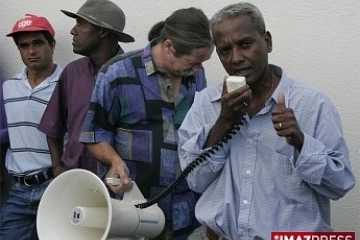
[239,40]
[34,41]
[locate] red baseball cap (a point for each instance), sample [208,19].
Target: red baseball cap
[31,23]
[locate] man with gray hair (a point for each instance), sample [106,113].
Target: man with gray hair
[99,27]
[271,154]
[139,102]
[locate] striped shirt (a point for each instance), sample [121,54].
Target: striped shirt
[24,106]
[257,183]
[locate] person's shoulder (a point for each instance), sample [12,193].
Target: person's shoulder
[120,59]
[83,61]
[17,77]
[74,68]
[306,88]
[212,93]
[56,74]
[309,94]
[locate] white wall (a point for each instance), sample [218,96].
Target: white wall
[316,41]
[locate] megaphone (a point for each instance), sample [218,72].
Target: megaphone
[77,205]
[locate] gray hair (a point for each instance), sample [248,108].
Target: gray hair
[237,9]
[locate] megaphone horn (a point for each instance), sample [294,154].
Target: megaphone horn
[77,205]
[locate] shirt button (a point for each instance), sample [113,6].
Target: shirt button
[248,172]
[245,202]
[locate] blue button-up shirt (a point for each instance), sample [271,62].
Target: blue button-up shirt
[133,108]
[257,183]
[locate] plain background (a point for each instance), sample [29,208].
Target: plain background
[314,41]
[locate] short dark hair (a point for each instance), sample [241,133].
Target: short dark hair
[49,38]
[187,29]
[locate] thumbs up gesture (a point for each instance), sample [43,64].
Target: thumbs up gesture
[285,124]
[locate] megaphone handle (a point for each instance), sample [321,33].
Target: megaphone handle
[113,181]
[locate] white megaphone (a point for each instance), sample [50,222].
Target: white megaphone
[77,205]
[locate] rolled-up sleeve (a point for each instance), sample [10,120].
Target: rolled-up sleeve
[104,112]
[324,160]
[193,134]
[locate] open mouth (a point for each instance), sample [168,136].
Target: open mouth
[242,72]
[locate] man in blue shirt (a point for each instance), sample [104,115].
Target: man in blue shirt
[287,159]
[139,101]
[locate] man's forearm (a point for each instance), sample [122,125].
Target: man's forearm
[217,133]
[104,152]
[56,147]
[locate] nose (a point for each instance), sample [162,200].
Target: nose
[32,49]
[237,55]
[73,31]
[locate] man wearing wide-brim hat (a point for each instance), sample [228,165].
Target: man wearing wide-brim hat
[104,14]
[99,27]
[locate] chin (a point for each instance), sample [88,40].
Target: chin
[36,67]
[77,50]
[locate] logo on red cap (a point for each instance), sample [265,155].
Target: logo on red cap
[31,23]
[24,22]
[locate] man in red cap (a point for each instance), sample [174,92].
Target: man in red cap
[26,96]
[99,27]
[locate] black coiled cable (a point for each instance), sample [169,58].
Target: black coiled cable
[189,168]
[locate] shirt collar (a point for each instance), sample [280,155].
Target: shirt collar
[49,79]
[92,67]
[150,66]
[283,87]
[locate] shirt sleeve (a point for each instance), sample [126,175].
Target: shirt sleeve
[53,122]
[324,160]
[193,134]
[104,111]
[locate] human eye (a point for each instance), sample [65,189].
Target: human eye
[245,44]
[23,45]
[38,42]
[224,51]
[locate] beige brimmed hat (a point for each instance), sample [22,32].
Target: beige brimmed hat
[104,14]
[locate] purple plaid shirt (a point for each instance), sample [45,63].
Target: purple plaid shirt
[133,108]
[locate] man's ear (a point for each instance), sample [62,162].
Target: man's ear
[53,47]
[268,40]
[103,33]
[168,46]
